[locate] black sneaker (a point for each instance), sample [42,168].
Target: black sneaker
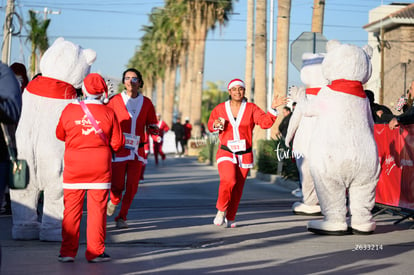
[101,258]
[66,259]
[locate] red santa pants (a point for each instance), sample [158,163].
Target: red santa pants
[158,151]
[96,221]
[232,179]
[132,170]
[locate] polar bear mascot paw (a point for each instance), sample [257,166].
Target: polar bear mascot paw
[63,68]
[343,158]
[301,127]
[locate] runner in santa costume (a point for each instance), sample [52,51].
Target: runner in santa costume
[146,153]
[90,131]
[235,120]
[158,140]
[136,114]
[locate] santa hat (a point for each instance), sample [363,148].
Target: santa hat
[94,86]
[236,82]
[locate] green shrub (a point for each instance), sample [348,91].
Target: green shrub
[208,153]
[270,152]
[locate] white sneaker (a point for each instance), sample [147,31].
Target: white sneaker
[230,224]
[121,224]
[110,209]
[64,259]
[219,219]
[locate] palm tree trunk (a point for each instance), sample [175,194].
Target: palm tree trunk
[198,73]
[184,101]
[282,56]
[170,75]
[248,79]
[160,95]
[317,16]
[260,64]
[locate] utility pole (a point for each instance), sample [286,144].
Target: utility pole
[7,33]
[318,14]
[270,65]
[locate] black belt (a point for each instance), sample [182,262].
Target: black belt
[224,147]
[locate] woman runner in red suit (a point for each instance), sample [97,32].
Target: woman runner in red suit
[90,131]
[235,120]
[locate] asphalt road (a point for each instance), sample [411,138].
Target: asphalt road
[171,232]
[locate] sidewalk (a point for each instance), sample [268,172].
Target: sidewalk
[171,232]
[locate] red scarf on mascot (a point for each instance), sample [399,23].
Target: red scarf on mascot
[351,87]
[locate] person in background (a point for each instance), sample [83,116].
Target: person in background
[146,153]
[408,116]
[91,132]
[187,136]
[235,120]
[158,140]
[21,74]
[380,113]
[179,132]
[283,127]
[203,130]
[136,114]
[10,109]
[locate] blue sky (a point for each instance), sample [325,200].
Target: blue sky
[113,30]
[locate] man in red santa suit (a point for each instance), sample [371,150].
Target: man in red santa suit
[235,120]
[158,140]
[90,131]
[136,114]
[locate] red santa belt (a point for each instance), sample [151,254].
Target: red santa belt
[225,148]
[351,87]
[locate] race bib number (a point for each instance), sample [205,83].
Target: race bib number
[131,141]
[237,145]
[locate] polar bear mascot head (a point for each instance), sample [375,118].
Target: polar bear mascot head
[67,61]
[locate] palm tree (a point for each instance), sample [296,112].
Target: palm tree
[176,38]
[260,64]
[38,37]
[206,14]
[282,54]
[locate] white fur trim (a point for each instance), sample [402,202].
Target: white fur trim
[87,185]
[235,83]
[273,112]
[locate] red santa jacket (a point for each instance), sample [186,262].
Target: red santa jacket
[87,157]
[240,128]
[134,124]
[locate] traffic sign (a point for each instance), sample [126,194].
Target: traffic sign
[307,42]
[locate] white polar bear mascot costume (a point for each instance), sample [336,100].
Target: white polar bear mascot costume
[343,154]
[63,66]
[300,129]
